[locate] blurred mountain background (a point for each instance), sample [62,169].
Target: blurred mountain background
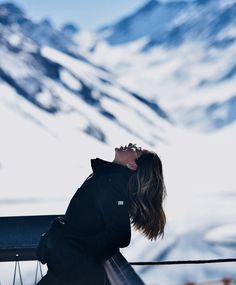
[164,77]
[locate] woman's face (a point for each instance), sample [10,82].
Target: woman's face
[126,155]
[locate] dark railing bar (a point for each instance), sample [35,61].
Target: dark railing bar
[32,256]
[20,236]
[23,255]
[183,261]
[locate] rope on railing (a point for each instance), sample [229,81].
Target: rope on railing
[182,261]
[38,268]
[17,265]
[38,272]
[224,281]
[20,236]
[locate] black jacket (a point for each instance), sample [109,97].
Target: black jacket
[98,212]
[96,225]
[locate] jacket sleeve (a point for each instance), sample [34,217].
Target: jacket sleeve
[112,197]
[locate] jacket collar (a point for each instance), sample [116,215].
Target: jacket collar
[102,166]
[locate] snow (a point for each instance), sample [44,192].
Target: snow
[48,156]
[222,235]
[85,40]
[10,61]
[58,129]
[45,157]
[70,80]
[198,170]
[153,18]
[173,77]
[14,40]
[78,68]
[226,3]
[45,98]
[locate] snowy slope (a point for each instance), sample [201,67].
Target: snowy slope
[66,100]
[62,102]
[188,85]
[179,54]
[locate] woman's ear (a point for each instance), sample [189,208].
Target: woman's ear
[132,166]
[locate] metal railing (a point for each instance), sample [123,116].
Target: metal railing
[20,236]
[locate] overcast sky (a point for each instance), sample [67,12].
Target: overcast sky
[88,14]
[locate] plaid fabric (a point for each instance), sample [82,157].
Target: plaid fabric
[120,272]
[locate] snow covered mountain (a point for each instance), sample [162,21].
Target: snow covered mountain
[68,95]
[179,54]
[172,23]
[44,66]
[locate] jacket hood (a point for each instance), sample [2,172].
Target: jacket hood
[104,167]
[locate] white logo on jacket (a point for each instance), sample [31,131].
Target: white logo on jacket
[120,203]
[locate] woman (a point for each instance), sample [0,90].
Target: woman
[128,190]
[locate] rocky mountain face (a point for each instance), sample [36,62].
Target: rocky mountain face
[44,65]
[173,23]
[182,54]
[190,45]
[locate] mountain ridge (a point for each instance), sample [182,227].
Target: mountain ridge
[42,63]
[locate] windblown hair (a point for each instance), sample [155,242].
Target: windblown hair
[147,191]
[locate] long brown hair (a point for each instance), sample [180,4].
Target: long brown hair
[147,191]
